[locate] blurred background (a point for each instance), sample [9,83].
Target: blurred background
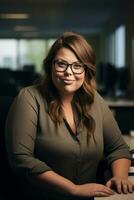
[27,30]
[29,27]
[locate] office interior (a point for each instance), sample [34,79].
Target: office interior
[28,28]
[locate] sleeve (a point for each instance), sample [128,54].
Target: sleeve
[114,144]
[20,135]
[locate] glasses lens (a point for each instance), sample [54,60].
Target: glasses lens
[60,65]
[77,68]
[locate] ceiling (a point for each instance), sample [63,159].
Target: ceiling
[48,18]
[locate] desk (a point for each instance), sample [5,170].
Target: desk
[123,111]
[129,196]
[129,140]
[120,103]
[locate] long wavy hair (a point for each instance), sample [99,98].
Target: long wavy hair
[84,96]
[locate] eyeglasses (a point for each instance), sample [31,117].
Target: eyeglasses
[61,66]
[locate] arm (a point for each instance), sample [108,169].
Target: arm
[65,186]
[53,180]
[121,167]
[20,135]
[120,180]
[117,152]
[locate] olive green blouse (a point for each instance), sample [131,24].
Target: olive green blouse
[35,145]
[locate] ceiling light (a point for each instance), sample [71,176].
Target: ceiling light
[31,34]
[14,16]
[25,28]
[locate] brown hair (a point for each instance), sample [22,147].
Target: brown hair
[84,97]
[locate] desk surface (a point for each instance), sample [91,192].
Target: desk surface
[120,103]
[129,196]
[129,140]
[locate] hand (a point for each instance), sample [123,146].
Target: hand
[122,185]
[92,189]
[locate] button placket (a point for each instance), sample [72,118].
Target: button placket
[78,160]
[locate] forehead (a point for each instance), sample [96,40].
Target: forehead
[66,54]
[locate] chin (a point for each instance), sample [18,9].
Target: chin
[69,91]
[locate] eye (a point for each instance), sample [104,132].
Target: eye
[61,63]
[77,65]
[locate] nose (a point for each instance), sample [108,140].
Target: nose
[69,70]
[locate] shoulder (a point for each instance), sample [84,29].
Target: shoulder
[98,98]
[31,92]
[30,95]
[100,102]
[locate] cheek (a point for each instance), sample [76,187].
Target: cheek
[80,78]
[55,78]
[56,75]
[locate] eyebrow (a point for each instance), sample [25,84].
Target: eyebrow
[67,61]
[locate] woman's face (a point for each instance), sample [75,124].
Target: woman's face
[66,81]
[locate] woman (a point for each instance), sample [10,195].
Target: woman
[58,131]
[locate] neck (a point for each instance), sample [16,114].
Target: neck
[66,99]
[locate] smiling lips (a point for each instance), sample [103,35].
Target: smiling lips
[67,81]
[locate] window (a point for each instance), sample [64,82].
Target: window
[120,47]
[8,53]
[115,47]
[15,54]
